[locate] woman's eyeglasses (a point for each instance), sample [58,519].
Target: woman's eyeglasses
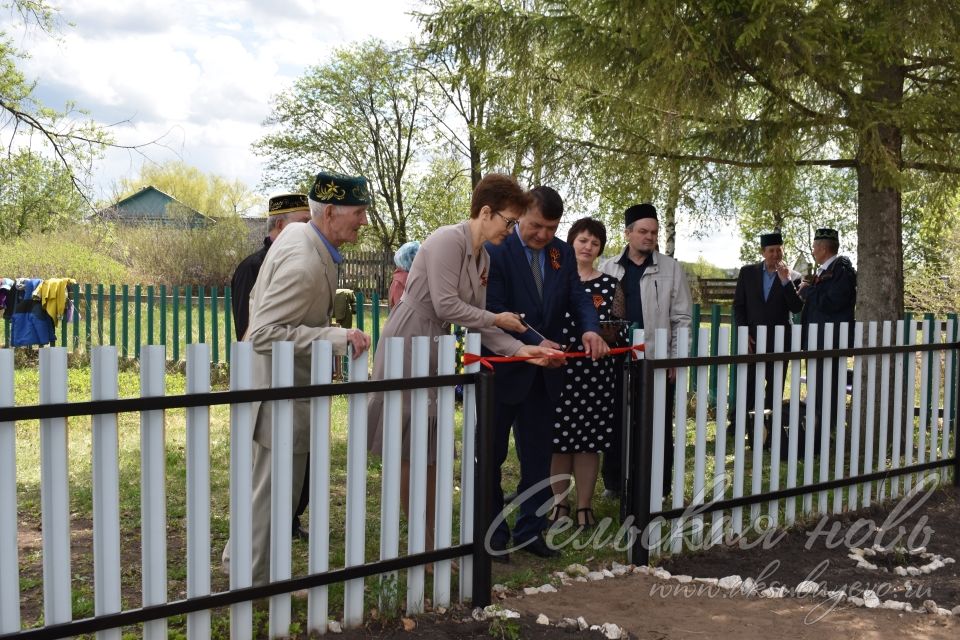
[510,222]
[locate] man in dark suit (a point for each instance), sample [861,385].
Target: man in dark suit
[766,295]
[281,211]
[830,297]
[535,274]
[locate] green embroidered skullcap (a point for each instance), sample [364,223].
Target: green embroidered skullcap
[827,234]
[287,203]
[336,188]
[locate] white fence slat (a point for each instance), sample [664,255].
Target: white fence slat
[446,365]
[810,418]
[55,490]
[241,490]
[660,349]
[739,431]
[949,384]
[886,337]
[826,426]
[106,489]
[897,410]
[356,492]
[417,517]
[935,396]
[281,486]
[841,390]
[924,398]
[198,490]
[9,556]
[868,442]
[793,435]
[855,403]
[776,426]
[679,439]
[467,468]
[720,437]
[390,467]
[910,423]
[153,492]
[759,386]
[700,440]
[321,372]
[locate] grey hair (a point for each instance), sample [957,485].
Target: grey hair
[274,221]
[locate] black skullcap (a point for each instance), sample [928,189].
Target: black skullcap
[771,239]
[639,212]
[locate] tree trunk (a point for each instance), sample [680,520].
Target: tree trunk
[879,221]
[670,210]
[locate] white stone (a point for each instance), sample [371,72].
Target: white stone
[930,606]
[807,587]
[618,569]
[730,582]
[925,569]
[580,579]
[913,571]
[478,614]
[594,576]
[895,605]
[869,552]
[918,551]
[748,587]
[956,610]
[708,581]
[611,631]
[775,592]
[855,557]
[334,627]
[683,579]
[900,571]
[542,619]
[594,627]
[559,574]
[863,564]
[608,574]
[663,574]
[441,611]
[582,624]
[943,612]
[870,599]
[499,588]
[948,561]
[577,570]
[568,623]
[857,551]
[642,569]
[530,591]
[548,588]
[937,564]
[855,601]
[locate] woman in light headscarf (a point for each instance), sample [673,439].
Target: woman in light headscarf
[403,258]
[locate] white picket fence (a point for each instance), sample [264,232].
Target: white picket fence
[889,438]
[200,556]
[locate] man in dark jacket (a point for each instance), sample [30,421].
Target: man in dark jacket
[829,298]
[766,295]
[282,210]
[535,274]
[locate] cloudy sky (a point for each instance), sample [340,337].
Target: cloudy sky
[200,75]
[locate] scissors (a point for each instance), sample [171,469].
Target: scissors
[520,316]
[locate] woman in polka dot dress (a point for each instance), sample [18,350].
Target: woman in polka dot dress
[585,413]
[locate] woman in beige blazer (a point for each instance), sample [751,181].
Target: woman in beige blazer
[447,285]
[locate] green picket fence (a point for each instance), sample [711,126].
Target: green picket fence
[129,316]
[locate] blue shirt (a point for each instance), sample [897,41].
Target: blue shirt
[768,280]
[337,258]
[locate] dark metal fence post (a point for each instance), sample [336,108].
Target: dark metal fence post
[641,383]
[956,432]
[483,498]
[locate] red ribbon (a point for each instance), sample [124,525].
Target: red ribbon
[488,361]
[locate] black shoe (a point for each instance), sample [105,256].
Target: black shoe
[499,552]
[538,547]
[299,533]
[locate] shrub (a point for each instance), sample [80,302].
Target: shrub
[62,254]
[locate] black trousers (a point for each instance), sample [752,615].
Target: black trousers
[304,496]
[611,470]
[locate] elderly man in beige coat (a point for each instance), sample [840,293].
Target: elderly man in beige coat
[293,300]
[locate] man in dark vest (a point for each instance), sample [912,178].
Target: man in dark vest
[766,295]
[281,210]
